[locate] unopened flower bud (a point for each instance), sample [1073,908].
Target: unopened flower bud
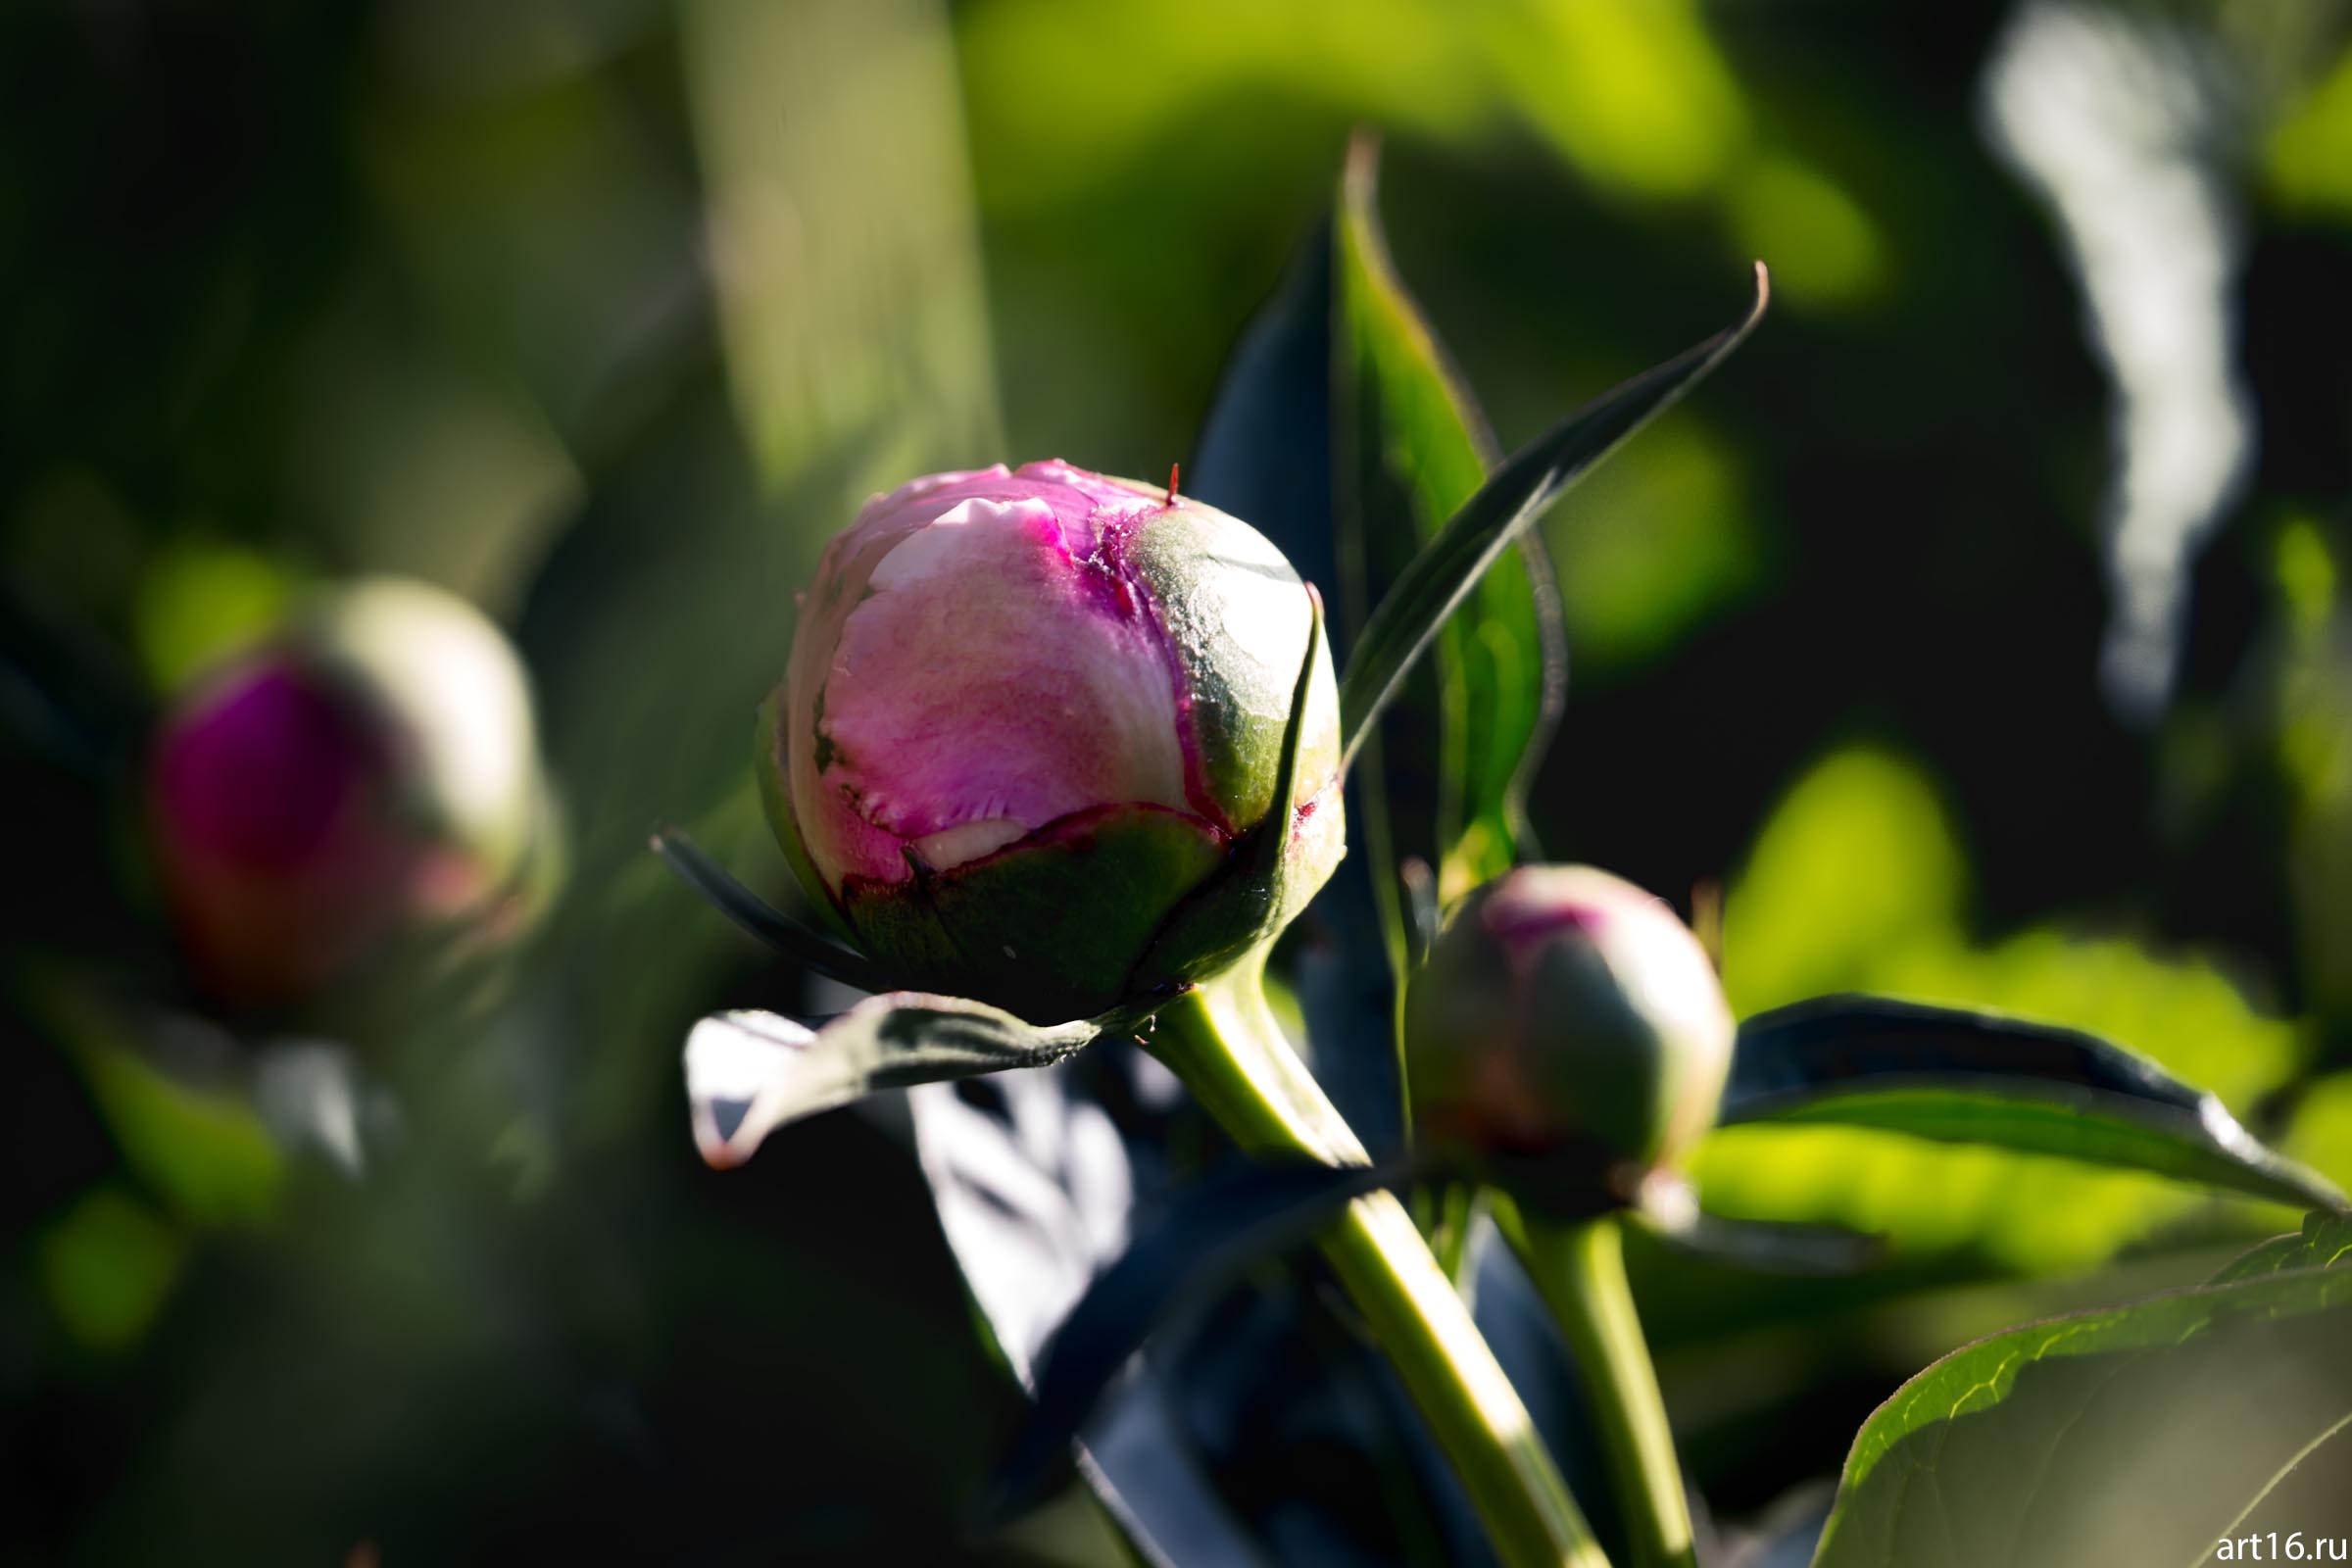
[370,775]
[1566,1029]
[1032,716]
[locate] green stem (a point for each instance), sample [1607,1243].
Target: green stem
[1580,1267]
[1222,1041]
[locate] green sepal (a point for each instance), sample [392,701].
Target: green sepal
[1263,883]
[770,766]
[1086,893]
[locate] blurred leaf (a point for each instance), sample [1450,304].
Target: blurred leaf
[1972,1077]
[1824,247]
[1414,450]
[1633,92]
[749,1073]
[1443,575]
[1855,859]
[2305,161]
[188,1132]
[1661,538]
[198,604]
[108,1263]
[812,949]
[1856,883]
[2145,1432]
[831,140]
[1761,1247]
[2321,1131]
[1215,1231]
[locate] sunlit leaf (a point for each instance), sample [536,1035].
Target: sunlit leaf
[2147,1432]
[1413,448]
[749,1073]
[173,1094]
[107,1263]
[1959,1076]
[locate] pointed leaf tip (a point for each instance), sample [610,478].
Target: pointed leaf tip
[1429,590]
[753,915]
[750,1073]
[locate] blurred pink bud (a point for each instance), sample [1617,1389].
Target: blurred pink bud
[370,775]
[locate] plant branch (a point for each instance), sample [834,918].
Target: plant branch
[1580,1267]
[1223,1042]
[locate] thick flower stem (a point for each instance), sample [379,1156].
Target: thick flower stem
[1580,1267]
[1221,1040]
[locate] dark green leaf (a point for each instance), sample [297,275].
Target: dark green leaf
[1214,1232]
[1761,1247]
[2139,1433]
[1961,1076]
[1264,456]
[1414,450]
[749,1073]
[739,903]
[1435,585]
[1261,454]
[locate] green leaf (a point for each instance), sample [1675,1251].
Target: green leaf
[1960,1076]
[2324,1241]
[2149,1433]
[1443,576]
[176,1096]
[1413,449]
[1212,1234]
[810,949]
[749,1073]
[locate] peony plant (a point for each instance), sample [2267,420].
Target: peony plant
[1060,758]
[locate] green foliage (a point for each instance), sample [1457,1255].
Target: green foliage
[107,1263]
[200,1149]
[1445,573]
[749,1073]
[2145,1432]
[1956,1076]
[1857,883]
[1413,449]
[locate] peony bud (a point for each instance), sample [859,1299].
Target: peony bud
[1030,716]
[370,775]
[1569,1029]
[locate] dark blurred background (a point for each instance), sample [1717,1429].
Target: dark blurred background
[1980,631]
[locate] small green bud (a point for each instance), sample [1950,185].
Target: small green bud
[1566,1037]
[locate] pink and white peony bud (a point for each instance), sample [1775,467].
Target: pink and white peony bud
[1031,715]
[1566,1027]
[370,775]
